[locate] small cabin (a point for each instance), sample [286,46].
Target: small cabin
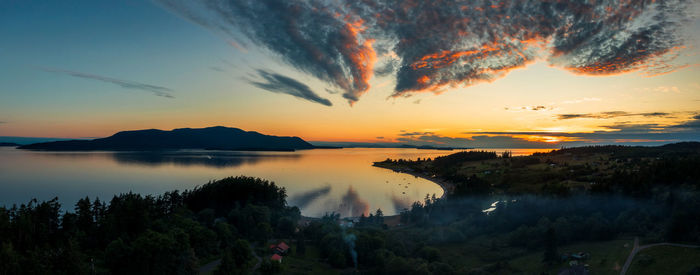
[280,248]
[276,257]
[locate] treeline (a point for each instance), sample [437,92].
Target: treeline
[133,234]
[627,170]
[624,151]
[515,226]
[540,223]
[638,177]
[449,168]
[368,247]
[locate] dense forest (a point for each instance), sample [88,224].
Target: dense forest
[169,234]
[592,199]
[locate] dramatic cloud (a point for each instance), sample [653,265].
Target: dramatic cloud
[432,45]
[277,83]
[126,84]
[309,35]
[613,114]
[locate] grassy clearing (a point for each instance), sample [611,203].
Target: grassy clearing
[665,260]
[605,258]
[306,264]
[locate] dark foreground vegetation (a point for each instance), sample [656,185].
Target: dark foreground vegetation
[132,234]
[583,215]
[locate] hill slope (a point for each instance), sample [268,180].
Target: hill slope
[219,137]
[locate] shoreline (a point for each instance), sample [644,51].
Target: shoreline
[394,220]
[447,187]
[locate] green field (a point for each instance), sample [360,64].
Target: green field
[665,260]
[307,264]
[605,257]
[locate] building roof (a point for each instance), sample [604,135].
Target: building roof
[276,257]
[282,246]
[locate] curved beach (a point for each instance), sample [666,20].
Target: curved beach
[447,187]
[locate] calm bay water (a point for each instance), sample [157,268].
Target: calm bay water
[318,181]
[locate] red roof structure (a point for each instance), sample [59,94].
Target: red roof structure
[276,257]
[280,248]
[283,246]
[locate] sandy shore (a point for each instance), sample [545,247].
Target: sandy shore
[447,187]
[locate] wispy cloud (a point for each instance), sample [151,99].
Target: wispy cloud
[630,133]
[277,83]
[238,46]
[479,140]
[691,124]
[434,45]
[529,108]
[551,106]
[612,114]
[126,84]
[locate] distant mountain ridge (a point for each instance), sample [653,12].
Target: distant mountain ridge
[216,138]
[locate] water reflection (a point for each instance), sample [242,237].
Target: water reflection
[351,205]
[216,159]
[210,159]
[304,199]
[317,181]
[400,203]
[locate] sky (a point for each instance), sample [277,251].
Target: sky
[518,74]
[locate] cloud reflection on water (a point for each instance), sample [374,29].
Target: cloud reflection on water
[304,199]
[215,159]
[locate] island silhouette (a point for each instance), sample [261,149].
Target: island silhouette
[210,138]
